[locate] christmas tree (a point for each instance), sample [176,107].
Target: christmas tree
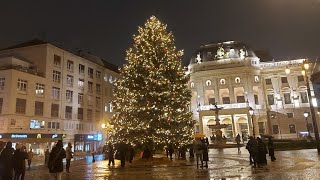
[152,98]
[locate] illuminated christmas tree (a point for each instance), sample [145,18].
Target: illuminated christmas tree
[152,98]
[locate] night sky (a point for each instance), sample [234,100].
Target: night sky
[286,28]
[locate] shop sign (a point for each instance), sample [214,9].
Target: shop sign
[90,137]
[54,136]
[97,137]
[19,136]
[0,136]
[38,136]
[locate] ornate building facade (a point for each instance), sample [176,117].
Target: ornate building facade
[232,76]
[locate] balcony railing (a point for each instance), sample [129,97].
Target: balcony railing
[226,106]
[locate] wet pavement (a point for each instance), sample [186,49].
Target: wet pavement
[223,164]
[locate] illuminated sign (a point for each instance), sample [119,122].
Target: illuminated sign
[54,136]
[19,136]
[90,136]
[38,135]
[0,136]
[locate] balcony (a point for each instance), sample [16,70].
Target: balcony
[226,106]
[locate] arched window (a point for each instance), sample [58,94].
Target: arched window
[237,80]
[222,81]
[208,83]
[256,79]
[192,84]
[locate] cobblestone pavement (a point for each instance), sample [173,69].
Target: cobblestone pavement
[224,164]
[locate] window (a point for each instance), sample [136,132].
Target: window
[55,93]
[256,79]
[56,76]
[81,83]
[81,69]
[38,110]
[69,80]
[54,110]
[262,129]
[2,82]
[304,97]
[226,100]
[292,128]
[211,100]
[98,75]
[70,65]
[39,89]
[80,98]
[89,114]
[68,114]
[284,80]
[97,115]
[222,81]
[111,107]
[275,129]
[240,99]
[21,105]
[80,113]
[192,84]
[53,125]
[287,98]
[90,101]
[300,78]
[22,85]
[208,83]
[90,87]
[1,103]
[105,78]
[98,89]
[13,122]
[57,61]
[90,72]
[256,99]
[98,102]
[268,82]
[106,105]
[36,124]
[69,95]
[290,115]
[270,99]
[110,79]
[237,80]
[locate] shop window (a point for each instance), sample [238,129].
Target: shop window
[36,124]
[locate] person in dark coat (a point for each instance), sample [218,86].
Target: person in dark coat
[252,147]
[262,151]
[146,153]
[171,150]
[19,162]
[271,149]
[191,152]
[132,153]
[6,160]
[205,156]
[46,157]
[110,154]
[238,140]
[122,153]
[55,164]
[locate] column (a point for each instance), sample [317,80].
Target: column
[200,123]
[216,92]
[233,126]
[249,124]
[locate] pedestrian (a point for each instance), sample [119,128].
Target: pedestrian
[238,140]
[262,151]
[198,151]
[6,160]
[252,147]
[46,156]
[92,153]
[122,153]
[171,150]
[146,152]
[19,162]
[69,156]
[30,156]
[132,153]
[205,153]
[110,154]
[191,154]
[271,149]
[55,164]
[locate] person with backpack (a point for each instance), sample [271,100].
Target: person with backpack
[252,147]
[6,160]
[55,164]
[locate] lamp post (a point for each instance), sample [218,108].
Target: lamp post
[251,114]
[305,67]
[306,114]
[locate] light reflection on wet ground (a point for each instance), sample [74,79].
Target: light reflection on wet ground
[224,164]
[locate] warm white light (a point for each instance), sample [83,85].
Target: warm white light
[287,71]
[306,114]
[303,72]
[251,111]
[305,65]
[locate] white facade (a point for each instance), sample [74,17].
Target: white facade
[47,92]
[231,75]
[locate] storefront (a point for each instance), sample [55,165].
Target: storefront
[87,142]
[37,142]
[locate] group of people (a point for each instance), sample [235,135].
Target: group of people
[258,151]
[13,161]
[200,149]
[121,152]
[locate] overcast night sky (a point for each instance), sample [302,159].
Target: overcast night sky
[287,28]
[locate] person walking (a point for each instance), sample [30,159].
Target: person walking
[6,160]
[198,150]
[132,153]
[262,151]
[46,157]
[171,150]
[238,140]
[205,153]
[55,164]
[271,149]
[69,156]
[110,154]
[30,156]
[122,153]
[93,157]
[19,162]
[252,147]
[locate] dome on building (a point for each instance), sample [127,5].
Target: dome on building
[223,50]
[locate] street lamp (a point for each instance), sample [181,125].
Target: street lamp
[306,114]
[251,114]
[305,67]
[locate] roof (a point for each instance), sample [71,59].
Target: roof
[88,56]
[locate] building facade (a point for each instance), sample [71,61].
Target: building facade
[232,76]
[47,92]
